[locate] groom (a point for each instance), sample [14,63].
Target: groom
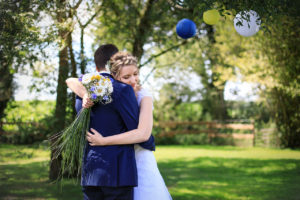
[109,172]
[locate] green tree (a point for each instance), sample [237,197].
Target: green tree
[63,70]
[271,60]
[281,46]
[19,38]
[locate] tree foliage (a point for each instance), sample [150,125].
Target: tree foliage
[270,59]
[140,27]
[282,49]
[19,37]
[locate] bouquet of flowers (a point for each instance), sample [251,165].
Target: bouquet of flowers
[70,143]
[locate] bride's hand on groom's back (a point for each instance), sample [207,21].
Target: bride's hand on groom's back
[95,139]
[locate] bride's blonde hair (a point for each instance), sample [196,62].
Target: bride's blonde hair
[119,60]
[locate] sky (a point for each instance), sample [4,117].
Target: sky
[237,91]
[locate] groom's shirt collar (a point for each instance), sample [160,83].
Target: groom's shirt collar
[104,72]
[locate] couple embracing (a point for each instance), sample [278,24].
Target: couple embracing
[118,162]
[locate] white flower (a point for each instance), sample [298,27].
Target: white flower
[108,85]
[110,88]
[86,79]
[99,91]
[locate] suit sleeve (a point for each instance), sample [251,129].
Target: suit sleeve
[78,103]
[128,108]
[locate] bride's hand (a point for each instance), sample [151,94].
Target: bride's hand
[95,139]
[86,101]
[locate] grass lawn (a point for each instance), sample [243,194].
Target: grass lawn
[190,172]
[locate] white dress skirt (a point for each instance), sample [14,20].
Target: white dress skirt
[151,185]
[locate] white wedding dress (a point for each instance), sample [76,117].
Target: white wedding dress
[151,185]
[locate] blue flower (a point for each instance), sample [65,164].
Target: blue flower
[94,96]
[93,88]
[105,98]
[80,78]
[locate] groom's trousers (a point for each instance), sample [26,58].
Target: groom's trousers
[107,193]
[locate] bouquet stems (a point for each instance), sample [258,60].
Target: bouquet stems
[70,144]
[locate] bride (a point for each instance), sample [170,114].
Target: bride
[150,182]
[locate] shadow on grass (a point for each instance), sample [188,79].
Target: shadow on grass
[221,178]
[206,147]
[30,181]
[207,178]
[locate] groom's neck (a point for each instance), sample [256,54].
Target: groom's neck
[101,69]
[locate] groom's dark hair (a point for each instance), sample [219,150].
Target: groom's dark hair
[103,54]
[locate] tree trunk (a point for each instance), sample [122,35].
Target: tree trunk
[287,117]
[6,85]
[73,71]
[142,31]
[82,56]
[219,110]
[60,109]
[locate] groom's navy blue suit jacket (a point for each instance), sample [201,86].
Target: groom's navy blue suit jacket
[112,166]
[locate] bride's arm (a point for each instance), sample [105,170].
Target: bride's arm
[76,86]
[141,134]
